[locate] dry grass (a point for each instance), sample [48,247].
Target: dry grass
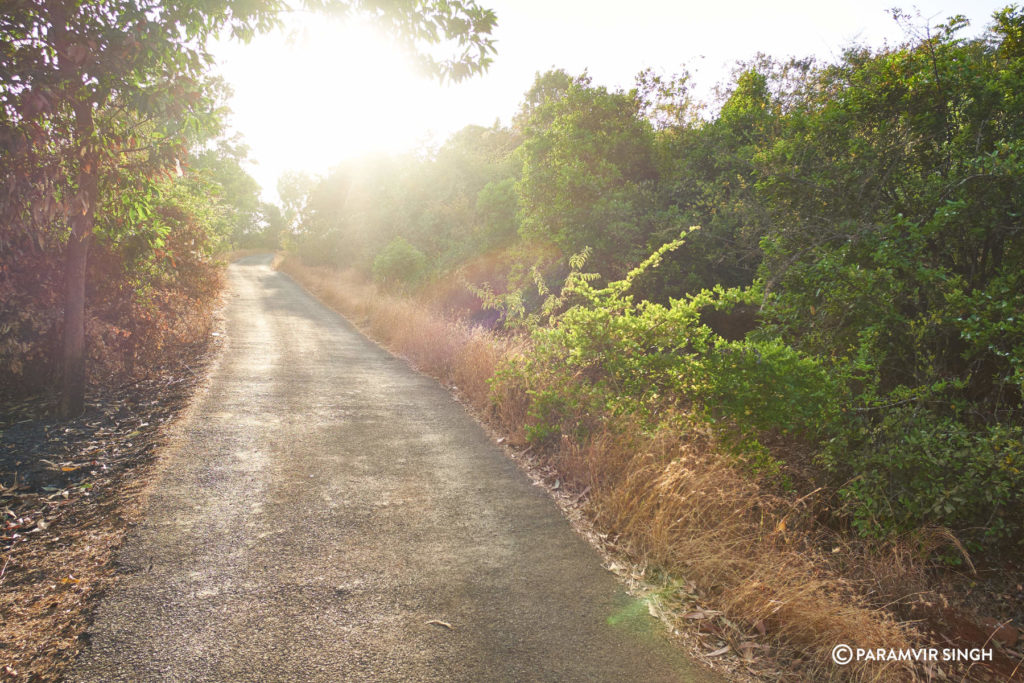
[761,569]
[449,350]
[668,501]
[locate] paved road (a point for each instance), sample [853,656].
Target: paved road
[323,503]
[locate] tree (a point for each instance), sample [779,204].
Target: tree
[547,87]
[894,194]
[588,169]
[70,72]
[77,68]
[708,178]
[273,226]
[496,209]
[294,188]
[444,219]
[238,190]
[399,264]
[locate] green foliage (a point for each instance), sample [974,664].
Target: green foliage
[237,191]
[512,307]
[586,176]
[496,207]
[609,355]
[451,205]
[908,466]
[102,99]
[709,177]
[991,326]
[150,284]
[462,26]
[550,86]
[400,264]
[896,185]
[294,188]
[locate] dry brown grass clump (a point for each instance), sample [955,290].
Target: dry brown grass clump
[757,564]
[670,501]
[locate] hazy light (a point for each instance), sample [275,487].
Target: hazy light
[323,91]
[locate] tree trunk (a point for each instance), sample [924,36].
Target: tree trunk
[72,400]
[82,217]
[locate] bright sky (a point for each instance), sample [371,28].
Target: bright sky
[321,91]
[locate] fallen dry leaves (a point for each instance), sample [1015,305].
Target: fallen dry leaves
[68,493]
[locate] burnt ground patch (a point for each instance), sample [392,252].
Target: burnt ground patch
[68,492]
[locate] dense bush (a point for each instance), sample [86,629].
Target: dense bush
[400,264]
[909,466]
[898,185]
[611,355]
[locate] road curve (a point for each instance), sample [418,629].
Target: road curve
[322,504]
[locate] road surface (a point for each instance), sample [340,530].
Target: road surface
[322,504]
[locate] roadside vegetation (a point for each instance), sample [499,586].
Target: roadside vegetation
[804,414]
[773,344]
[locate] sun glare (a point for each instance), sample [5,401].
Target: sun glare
[322,91]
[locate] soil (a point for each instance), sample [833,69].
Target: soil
[68,492]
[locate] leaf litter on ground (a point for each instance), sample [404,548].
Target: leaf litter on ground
[67,494]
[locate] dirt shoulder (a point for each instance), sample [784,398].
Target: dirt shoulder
[70,491]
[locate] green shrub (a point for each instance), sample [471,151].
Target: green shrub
[400,264]
[914,468]
[611,356]
[496,208]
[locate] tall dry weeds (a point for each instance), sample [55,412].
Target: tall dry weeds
[449,350]
[672,502]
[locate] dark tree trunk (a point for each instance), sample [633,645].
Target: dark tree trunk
[72,400]
[73,389]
